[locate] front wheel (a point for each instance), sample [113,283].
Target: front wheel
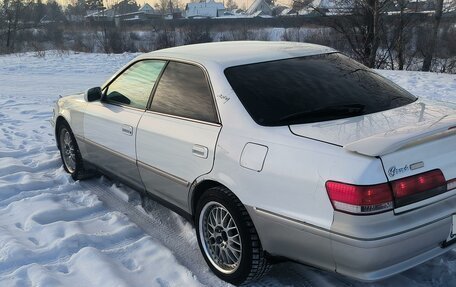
[70,154]
[228,239]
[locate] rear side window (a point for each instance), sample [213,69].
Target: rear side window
[312,89]
[133,87]
[183,91]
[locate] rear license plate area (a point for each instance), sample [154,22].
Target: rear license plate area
[452,237]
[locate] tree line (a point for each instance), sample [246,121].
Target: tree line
[381,30]
[378,33]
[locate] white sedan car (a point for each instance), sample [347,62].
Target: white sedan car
[274,150]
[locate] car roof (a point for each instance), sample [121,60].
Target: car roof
[235,53]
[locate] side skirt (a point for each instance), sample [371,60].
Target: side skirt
[113,176]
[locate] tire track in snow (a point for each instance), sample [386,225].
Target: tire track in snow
[51,224]
[32,182]
[169,235]
[174,232]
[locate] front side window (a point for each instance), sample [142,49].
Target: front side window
[134,85]
[183,91]
[312,89]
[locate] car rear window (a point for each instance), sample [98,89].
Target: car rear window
[312,89]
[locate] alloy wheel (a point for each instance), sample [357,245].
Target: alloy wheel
[221,238]
[68,150]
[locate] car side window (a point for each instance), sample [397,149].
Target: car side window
[134,85]
[183,91]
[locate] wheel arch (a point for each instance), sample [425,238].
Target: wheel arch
[197,190]
[60,119]
[258,264]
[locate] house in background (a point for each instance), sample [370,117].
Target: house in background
[101,15]
[204,9]
[259,8]
[146,12]
[147,9]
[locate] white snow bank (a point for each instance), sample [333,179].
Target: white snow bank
[56,232]
[53,231]
[436,86]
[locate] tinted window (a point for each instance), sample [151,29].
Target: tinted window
[183,91]
[134,85]
[312,89]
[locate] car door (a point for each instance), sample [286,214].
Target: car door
[177,135]
[110,124]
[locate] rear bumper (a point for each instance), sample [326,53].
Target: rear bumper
[371,260]
[368,248]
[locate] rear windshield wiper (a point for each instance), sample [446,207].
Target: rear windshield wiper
[325,113]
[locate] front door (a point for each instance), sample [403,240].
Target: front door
[110,125]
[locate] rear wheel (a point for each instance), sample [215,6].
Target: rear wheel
[70,154]
[228,239]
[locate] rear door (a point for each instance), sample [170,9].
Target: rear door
[110,125]
[177,135]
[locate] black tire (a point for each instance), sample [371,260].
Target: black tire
[252,263]
[78,171]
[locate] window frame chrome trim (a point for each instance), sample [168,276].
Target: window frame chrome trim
[208,80]
[119,73]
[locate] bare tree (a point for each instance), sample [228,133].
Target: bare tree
[399,34]
[360,21]
[12,10]
[167,6]
[301,4]
[402,4]
[231,5]
[198,33]
[429,51]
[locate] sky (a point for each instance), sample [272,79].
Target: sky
[241,3]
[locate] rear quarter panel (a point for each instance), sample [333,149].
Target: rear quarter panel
[292,181]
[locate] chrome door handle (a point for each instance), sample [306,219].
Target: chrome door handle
[200,151]
[128,130]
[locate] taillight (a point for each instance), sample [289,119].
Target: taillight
[451,184]
[368,199]
[360,199]
[418,187]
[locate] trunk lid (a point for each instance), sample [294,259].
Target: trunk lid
[390,127]
[409,140]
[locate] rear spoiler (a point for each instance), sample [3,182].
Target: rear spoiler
[391,141]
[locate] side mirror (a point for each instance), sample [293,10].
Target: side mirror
[93,94]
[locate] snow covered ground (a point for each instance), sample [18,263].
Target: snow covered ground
[56,232]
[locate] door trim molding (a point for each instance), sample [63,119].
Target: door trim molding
[87,141]
[162,173]
[141,164]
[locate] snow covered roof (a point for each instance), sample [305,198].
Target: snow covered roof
[103,13]
[146,9]
[227,54]
[259,5]
[208,9]
[285,11]
[206,4]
